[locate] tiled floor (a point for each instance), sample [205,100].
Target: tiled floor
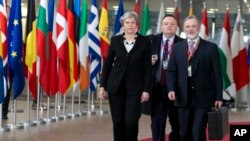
[85,128]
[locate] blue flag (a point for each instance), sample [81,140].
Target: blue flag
[15,45]
[118,25]
[94,45]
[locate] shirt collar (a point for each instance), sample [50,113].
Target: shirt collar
[171,39]
[195,40]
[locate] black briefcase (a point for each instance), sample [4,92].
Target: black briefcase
[217,123]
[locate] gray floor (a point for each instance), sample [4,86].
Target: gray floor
[85,128]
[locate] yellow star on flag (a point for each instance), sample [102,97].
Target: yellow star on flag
[15,22]
[14,54]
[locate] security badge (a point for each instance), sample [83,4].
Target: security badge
[165,64]
[189,69]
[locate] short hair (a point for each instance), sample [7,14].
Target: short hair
[169,15]
[129,14]
[191,17]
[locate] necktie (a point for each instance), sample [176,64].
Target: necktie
[164,58]
[191,48]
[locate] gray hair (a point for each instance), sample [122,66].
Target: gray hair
[191,17]
[129,14]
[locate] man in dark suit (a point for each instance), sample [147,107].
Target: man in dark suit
[161,106]
[194,81]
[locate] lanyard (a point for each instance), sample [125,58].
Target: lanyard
[190,53]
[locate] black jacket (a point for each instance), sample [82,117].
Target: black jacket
[134,67]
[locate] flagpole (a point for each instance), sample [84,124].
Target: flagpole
[15,125]
[29,122]
[38,120]
[49,119]
[77,89]
[71,115]
[213,19]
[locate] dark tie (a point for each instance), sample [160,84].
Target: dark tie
[164,58]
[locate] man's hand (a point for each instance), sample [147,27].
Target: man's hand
[171,95]
[218,104]
[145,96]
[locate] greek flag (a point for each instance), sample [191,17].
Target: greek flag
[94,45]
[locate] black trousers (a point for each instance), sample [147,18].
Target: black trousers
[193,123]
[126,112]
[161,108]
[7,99]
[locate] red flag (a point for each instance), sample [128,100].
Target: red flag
[239,56]
[176,14]
[62,48]
[42,45]
[137,9]
[204,25]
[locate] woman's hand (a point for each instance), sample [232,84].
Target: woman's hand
[102,93]
[145,96]
[171,95]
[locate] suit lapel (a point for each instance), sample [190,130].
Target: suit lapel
[121,44]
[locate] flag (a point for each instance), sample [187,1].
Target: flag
[94,46]
[62,47]
[42,45]
[118,26]
[176,14]
[160,17]
[73,55]
[239,56]
[52,48]
[77,14]
[204,25]
[226,59]
[104,30]
[145,26]
[3,50]
[83,48]
[31,50]
[2,91]
[190,9]
[15,45]
[137,10]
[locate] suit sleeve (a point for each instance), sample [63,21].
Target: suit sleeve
[108,64]
[172,71]
[217,73]
[147,67]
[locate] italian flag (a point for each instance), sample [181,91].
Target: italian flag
[145,24]
[83,48]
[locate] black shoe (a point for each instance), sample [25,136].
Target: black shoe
[4,117]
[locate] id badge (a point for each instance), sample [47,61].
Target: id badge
[165,64]
[189,69]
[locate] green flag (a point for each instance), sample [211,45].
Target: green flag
[145,24]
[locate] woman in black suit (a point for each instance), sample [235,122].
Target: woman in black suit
[126,76]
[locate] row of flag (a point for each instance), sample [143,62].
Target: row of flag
[62,46]
[67,45]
